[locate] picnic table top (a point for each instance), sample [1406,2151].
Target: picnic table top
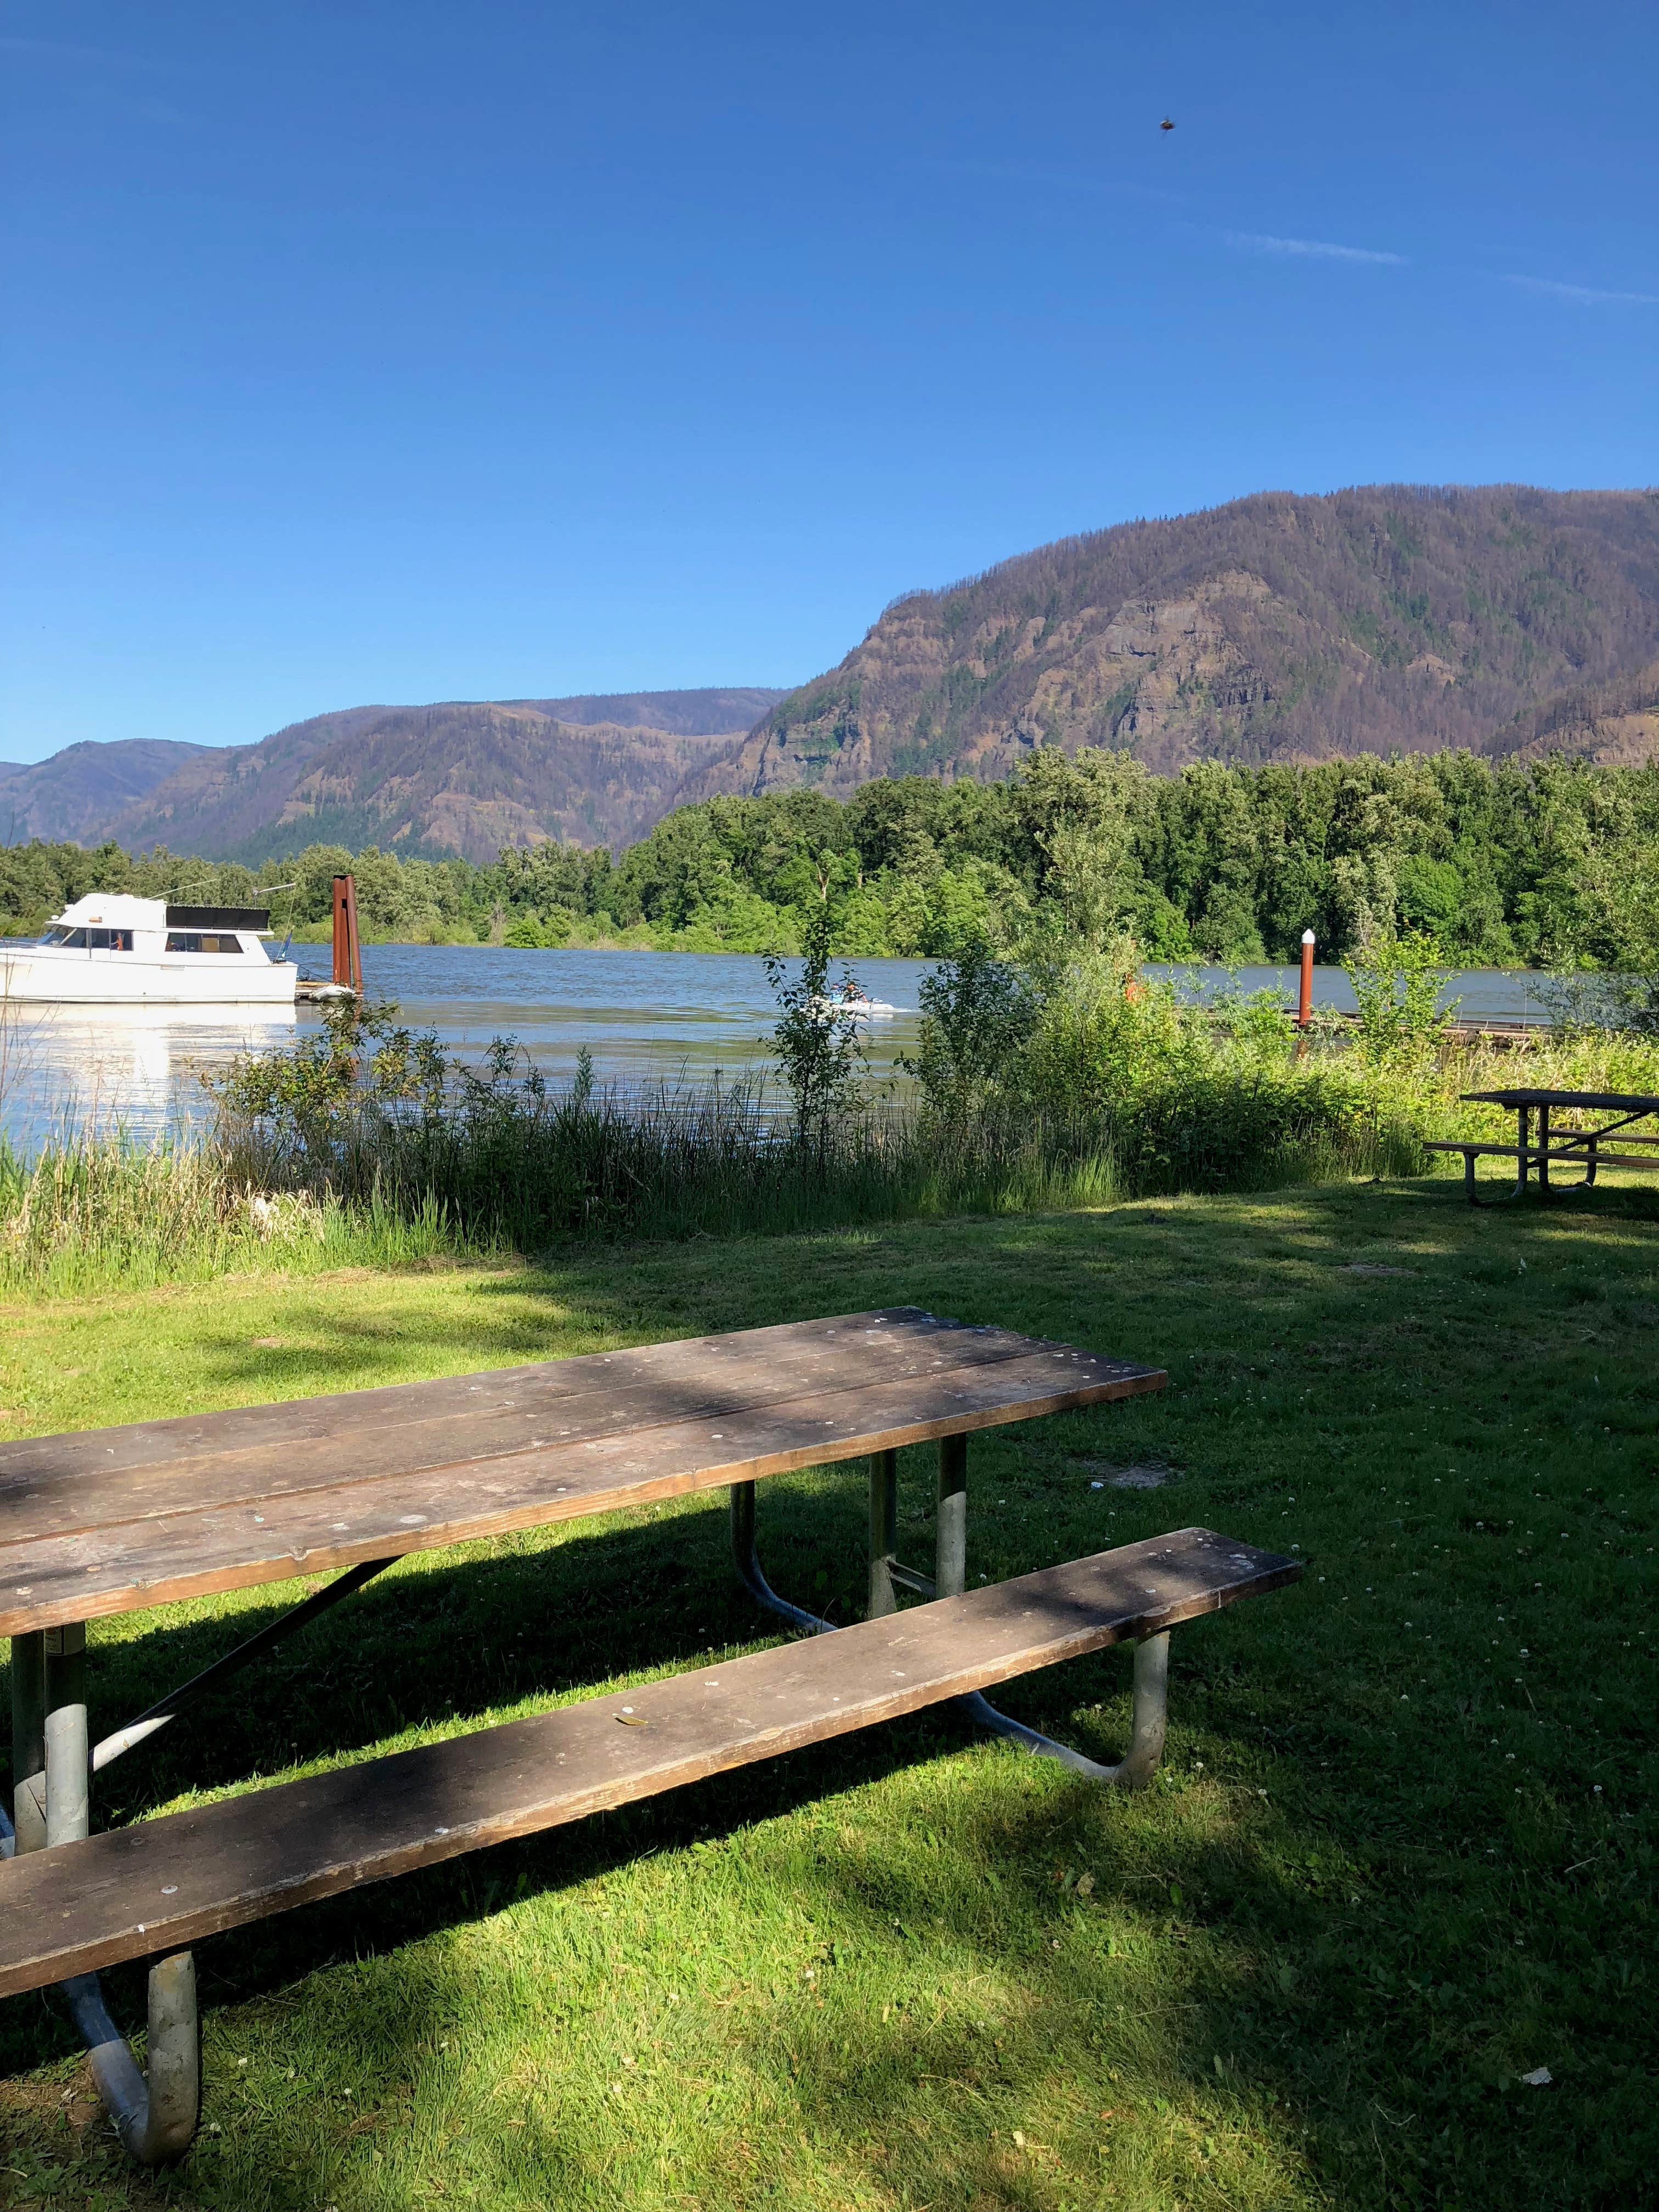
[1615,1101]
[110,1520]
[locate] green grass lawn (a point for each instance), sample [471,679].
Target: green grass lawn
[1402,1852]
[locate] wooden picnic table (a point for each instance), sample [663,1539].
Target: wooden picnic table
[1553,1146]
[114,1521]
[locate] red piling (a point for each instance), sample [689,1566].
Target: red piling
[1305,1003]
[348,960]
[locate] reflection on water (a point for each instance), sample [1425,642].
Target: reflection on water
[134,1067]
[642,1015]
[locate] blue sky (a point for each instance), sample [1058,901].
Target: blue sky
[373,352]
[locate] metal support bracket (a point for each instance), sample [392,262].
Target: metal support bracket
[1149,1717]
[166,1709]
[747,1562]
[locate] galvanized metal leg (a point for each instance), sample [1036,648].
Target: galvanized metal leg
[884,1533]
[1151,1656]
[28,1742]
[747,1562]
[68,1772]
[156,2118]
[1148,1721]
[888,1576]
[156,2113]
[950,1529]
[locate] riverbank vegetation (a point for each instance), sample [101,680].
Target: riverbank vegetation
[1553,864]
[1048,1079]
[1398,1861]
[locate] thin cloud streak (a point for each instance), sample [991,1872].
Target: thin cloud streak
[1586,295]
[1312,249]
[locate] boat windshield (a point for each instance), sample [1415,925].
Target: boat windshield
[88,940]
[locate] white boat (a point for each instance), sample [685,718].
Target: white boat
[109,949]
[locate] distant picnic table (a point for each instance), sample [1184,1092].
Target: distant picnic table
[1538,1146]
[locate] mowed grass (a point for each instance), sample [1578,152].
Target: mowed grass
[1400,1853]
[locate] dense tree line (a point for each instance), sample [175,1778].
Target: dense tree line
[1554,864]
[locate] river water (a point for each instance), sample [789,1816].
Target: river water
[644,1017]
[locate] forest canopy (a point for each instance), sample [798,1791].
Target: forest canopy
[1553,864]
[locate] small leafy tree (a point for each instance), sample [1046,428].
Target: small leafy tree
[977,1012]
[816,1034]
[307,1096]
[1396,983]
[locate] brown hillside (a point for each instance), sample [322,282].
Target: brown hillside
[1279,628]
[466,777]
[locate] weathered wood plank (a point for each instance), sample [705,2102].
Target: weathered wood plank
[53,1486]
[1622,1102]
[169,1882]
[1577,1156]
[130,1564]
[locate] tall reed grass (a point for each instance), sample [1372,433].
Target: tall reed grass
[100,1213]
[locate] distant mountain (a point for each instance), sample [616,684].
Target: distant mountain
[1393,617]
[463,778]
[77,794]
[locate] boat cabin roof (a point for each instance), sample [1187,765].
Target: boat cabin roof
[116,910]
[121,910]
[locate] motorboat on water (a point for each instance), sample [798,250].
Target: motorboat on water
[111,949]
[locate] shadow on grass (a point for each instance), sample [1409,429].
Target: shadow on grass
[1328,1963]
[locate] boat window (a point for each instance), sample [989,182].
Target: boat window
[110,940]
[199,940]
[59,935]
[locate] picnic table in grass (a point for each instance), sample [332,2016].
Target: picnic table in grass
[113,1520]
[1542,1144]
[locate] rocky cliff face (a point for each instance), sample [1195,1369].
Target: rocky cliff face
[1280,628]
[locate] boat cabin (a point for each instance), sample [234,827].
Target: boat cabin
[111,947]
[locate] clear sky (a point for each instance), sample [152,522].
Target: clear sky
[386,350]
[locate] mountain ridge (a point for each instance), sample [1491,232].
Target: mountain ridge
[459,776]
[1283,626]
[76,792]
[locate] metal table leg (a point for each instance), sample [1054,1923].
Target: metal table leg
[1152,1655]
[888,1576]
[156,2118]
[29,1741]
[51,1766]
[745,1558]
[884,1533]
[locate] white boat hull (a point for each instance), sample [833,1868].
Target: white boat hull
[46,976]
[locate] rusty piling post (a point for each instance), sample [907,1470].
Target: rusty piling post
[1304,1002]
[348,959]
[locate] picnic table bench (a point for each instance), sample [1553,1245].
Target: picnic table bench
[1559,1146]
[113,1520]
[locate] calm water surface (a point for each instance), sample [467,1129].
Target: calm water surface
[644,1016]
